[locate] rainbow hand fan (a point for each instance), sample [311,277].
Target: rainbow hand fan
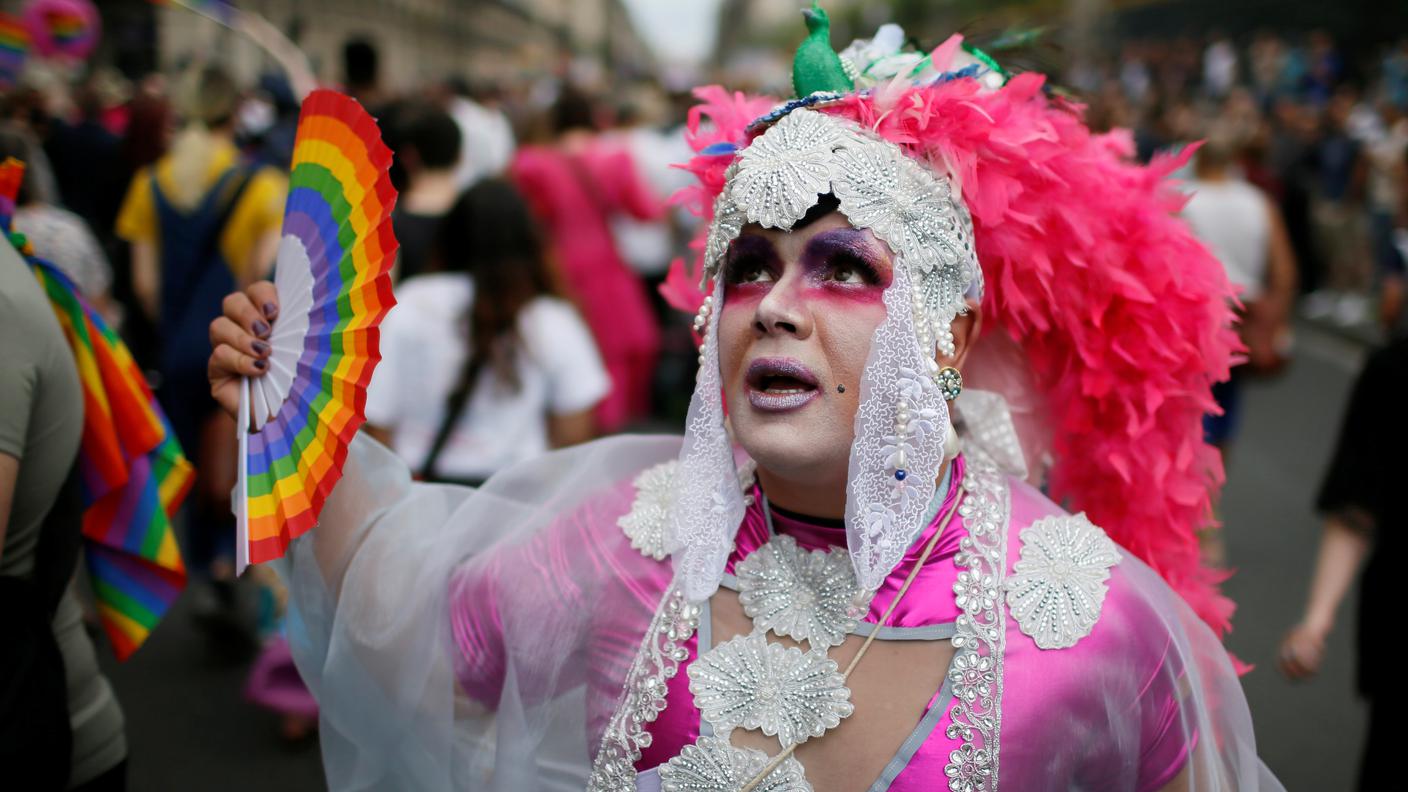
[334,283]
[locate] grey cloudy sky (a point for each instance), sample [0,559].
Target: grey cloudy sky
[678,30]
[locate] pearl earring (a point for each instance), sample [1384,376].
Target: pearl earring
[950,382]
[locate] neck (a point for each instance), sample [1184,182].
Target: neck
[823,500]
[431,192]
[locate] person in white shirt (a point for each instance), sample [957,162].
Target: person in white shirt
[482,364]
[488,136]
[1241,227]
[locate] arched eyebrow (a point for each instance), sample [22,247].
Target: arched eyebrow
[755,243]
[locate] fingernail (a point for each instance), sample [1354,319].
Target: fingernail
[261,364]
[261,329]
[270,310]
[260,347]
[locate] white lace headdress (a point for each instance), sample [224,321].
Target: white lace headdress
[903,419]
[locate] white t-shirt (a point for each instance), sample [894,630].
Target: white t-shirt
[486,141]
[423,347]
[1230,217]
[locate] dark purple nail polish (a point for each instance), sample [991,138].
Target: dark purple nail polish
[261,364]
[261,329]
[260,347]
[270,310]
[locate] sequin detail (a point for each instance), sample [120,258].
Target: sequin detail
[712,765]
[1058,586]
[657,660]
[645,523]
[980,632]
[805,595]
[783,691]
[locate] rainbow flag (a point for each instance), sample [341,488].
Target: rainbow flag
[14,49]
[134,474]
[66,27]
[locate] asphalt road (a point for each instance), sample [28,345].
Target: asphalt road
[190,729]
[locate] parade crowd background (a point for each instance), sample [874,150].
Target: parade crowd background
[547,191]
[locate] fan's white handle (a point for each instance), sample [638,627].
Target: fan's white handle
[241,499]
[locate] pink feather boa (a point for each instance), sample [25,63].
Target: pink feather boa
[1123,316]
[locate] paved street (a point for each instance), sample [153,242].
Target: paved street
[189,728]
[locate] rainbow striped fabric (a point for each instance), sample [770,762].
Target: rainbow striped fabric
[134,474]
[337,223]
[14,49]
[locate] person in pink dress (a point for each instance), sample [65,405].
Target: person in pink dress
[937,307]
[576,186]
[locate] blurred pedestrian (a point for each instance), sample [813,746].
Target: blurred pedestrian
[1243,229]
[487,141]
[1340,232]
[1385,158]
[200,221]
[87,161]
[483,365]
[576,185]
[361,72]
[1361,499]
[428,148]
[60,725]
[60,236]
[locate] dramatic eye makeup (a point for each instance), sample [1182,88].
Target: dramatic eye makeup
[846,256]
[751,259]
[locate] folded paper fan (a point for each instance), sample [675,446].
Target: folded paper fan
[333,278]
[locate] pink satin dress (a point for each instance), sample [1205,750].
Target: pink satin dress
[1051,697]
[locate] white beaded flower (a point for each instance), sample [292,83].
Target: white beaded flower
[785,692]
[975,591]
[973,676]
[809,596]
[712,765]
[1058,586]
[781,173]
[646,522]
[969,769]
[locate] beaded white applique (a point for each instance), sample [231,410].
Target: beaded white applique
[657,660]
[781,690]
[1057,588]
[645,523]
[712,765]
[805,595]
[980,633]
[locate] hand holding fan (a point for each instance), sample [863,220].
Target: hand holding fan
[334,284]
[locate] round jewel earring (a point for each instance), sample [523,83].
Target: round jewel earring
[950,382]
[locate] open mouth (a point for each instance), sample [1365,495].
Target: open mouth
[780,384]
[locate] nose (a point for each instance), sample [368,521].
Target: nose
[783,309]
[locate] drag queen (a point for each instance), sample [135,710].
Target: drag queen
[845,576]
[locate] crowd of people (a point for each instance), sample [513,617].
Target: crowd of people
[535,229]
[1319,130]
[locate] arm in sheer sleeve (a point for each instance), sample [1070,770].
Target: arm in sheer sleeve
[381,593]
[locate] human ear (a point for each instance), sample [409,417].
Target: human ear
[966,328]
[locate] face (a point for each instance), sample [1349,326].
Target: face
[799,311]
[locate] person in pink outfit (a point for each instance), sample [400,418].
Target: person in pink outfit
[932,522]
[575,186]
